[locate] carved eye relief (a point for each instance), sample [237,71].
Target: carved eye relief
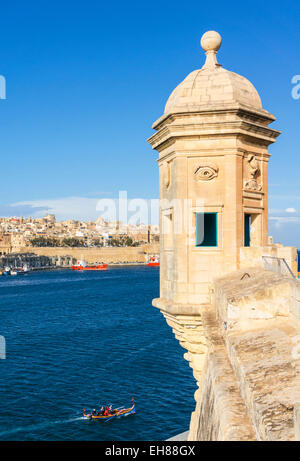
[206,172]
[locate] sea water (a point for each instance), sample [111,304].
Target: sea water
[83,339]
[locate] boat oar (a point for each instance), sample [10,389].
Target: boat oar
[118,411]
[109,418]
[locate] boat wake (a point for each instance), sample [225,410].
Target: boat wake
[34,427]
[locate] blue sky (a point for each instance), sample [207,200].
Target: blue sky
[85,81]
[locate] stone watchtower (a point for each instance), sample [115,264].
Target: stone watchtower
[213,143]
[213,158]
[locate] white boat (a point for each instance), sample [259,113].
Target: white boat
[13,272]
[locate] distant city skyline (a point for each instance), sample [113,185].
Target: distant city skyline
[278,219]
[84,85]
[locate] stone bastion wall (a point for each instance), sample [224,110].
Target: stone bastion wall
[109,255]
[249,378]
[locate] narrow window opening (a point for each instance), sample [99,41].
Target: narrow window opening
[206,230]
[247,230]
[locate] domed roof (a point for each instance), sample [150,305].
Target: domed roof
[212,85]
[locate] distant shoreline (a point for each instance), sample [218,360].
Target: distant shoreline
[50,268]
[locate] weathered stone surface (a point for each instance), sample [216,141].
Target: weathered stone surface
[297,423]
[220,414]
[263,351]
[240,331]
[252,294]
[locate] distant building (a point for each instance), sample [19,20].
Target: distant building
[23,230]
[5,244]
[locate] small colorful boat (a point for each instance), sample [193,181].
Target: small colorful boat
[83,266]
[117,412]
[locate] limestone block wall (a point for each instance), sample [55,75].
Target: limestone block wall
[295,295]
[92,255]
[221,413]
[252,256]
[250,386]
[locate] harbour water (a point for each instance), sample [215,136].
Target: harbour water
[76,340]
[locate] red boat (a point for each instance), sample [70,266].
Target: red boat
[154,261]
[83,266]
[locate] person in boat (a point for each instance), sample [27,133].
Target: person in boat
[106,411]
[100,412]
[94,412]
[112,411]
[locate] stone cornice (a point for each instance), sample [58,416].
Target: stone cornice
[216,152]
[241,110]
[224,127]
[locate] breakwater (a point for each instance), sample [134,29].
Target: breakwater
[64,256]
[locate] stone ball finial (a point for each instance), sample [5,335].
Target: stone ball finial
[211,41]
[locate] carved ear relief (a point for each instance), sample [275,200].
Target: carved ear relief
[166,174]
[206,171]
[253,173]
